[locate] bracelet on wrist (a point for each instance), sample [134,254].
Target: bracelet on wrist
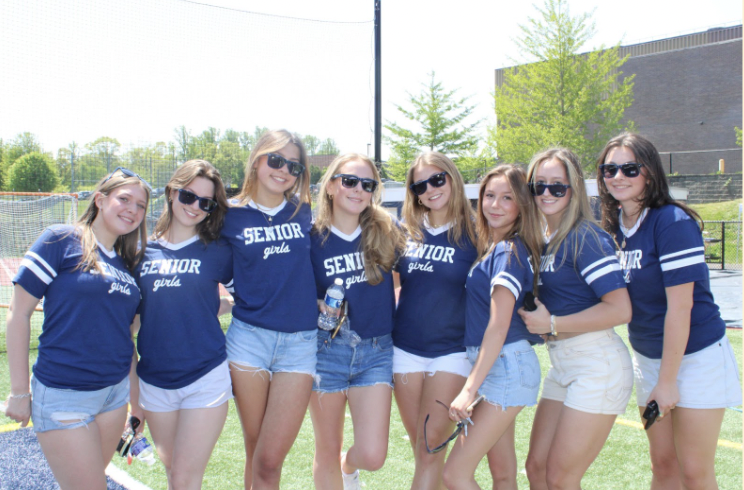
[23,395]
[553,331]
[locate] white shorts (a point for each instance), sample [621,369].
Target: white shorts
[591,372]
[211,390]
[405,362]
[708,378]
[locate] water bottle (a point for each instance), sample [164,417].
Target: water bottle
[334,297]
[142,450]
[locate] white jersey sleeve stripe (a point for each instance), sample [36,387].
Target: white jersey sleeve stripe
[682,252]
[678,264]
[43,262]
[509,282]
[602,272]
[28,264]
[609,258]
[230,287]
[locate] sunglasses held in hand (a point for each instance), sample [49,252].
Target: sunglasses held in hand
[461,425]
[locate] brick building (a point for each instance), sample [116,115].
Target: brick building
[688,97]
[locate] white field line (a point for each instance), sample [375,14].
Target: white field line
[123,478]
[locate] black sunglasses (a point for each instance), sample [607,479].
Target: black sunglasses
[460,426]
[630,169]
[126,442]
[556,190]
[277,161]
[128,173]
[350,181]
[436,180]
[205,204]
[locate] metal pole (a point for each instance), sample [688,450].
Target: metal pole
[72,171]
[378,85]
[670,163]
[723,245]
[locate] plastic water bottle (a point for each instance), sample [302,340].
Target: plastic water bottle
[334,298]
[142,450]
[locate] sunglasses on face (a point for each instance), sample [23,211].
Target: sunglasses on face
[205,204]
[350,181]
[127,173]
[556,190]
[436,180]
[275,160]
[630,169]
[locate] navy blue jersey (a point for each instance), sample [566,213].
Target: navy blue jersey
[508,266]
[85,343]
[180,338]
[666,249]
[571,282]
[370,307]
[273,279]
[430,319]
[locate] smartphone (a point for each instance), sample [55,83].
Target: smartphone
[650,414]
[529,301]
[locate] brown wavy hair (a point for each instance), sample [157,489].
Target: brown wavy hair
[527,224]
[655,195]
[459,212]
[271,142]
[382,240]
[209,228]
[130,247]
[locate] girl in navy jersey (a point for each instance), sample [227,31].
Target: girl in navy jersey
[182,382]
[505,371]
[272,340]
[682,357]
[356,240]
[79,389]
[429,361]
[582,297]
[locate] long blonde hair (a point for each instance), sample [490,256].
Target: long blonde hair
[209,229]
[271,142]
[130,247]
[382,240]
[459,211]
[579,211]
[527,224]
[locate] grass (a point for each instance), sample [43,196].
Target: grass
[622,464]
[719,211]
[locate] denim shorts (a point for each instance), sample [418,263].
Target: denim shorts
[51,406]
[341,366]
[591,372]
[708,378]
[514,378]
[269,350]
[211,390]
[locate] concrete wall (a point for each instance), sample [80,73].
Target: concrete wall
[709,188]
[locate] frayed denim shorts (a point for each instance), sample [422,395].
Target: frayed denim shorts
[341,366]
[254,347]
[514,378]
[55,409]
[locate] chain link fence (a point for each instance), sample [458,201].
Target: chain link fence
[723,244]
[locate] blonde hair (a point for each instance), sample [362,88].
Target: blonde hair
[209,228]
[130,247]
[459,211]
[579,211]
[527,224]
[382,240]
[271,142]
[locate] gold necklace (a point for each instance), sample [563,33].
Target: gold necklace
[269,219]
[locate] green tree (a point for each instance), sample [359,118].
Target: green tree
[476,164]
[736,130]
[440,119]
[559,96]
[311,144]
[33,172]
[104,150]
[402,153]
[328,147]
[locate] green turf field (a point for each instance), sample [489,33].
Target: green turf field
[622,464]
